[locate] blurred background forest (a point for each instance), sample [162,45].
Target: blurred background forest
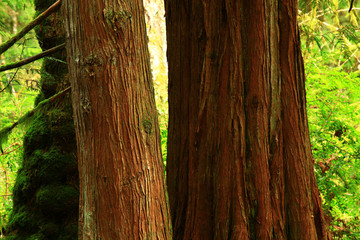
[330,44]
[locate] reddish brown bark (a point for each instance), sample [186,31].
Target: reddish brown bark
[122,191]
[239,160]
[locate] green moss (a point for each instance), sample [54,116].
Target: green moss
[11,237]
[147,126]
[49,166]
[45,202]
[116,17]
[57,199]
[62,128]
[38,135]
[49,229]
[48,84]
[22,188]
[40,97]
[48,35]
[36,236]
[64,134]
[56,64]
[93,59]
[41,5]
[69,232]
[23,220]
[55,166]
[34,160]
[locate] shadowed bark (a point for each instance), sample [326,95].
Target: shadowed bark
[239,159]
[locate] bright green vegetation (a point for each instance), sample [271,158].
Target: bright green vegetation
[330,43]
[18,96]
[45,180]
[334,117]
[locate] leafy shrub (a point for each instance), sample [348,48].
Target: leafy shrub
[333,98]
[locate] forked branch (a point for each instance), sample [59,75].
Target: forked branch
[31,25]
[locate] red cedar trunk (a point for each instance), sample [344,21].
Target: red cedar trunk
[239,160]
[122,189]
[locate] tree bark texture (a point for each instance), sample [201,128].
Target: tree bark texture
[239,159]
[122,186]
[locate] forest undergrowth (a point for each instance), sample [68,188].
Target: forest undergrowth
[330,45]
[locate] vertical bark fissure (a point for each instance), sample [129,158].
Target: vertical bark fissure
[121,172]
[299,175]
[257,119]
[247,147]
[276,162]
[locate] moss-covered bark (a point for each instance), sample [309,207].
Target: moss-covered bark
[46,188]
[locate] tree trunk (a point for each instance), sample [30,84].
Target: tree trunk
[45,193]
[122,186]
[239,159]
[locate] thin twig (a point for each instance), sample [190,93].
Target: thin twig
[30,26]
[33,58]
[12,145]
[6,195]
[351,5]
[4,153]
[13,77]
[322,13]
[7,130]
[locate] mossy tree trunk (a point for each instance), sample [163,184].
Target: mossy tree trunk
[239,160]
[122,186]
[46,189]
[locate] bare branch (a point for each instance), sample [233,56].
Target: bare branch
[5,132]
[351,5]
[13,77]
[6,195]
[13,145]
[33,58]
[30,26]
[4,153]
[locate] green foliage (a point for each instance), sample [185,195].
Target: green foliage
[14,15]
[45,195]
[9,163]
[17,98]
[164,136]
[333,109]
[39,109]
[12,106]
[330,43]
[24,219]
[327,28]
[4,135]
